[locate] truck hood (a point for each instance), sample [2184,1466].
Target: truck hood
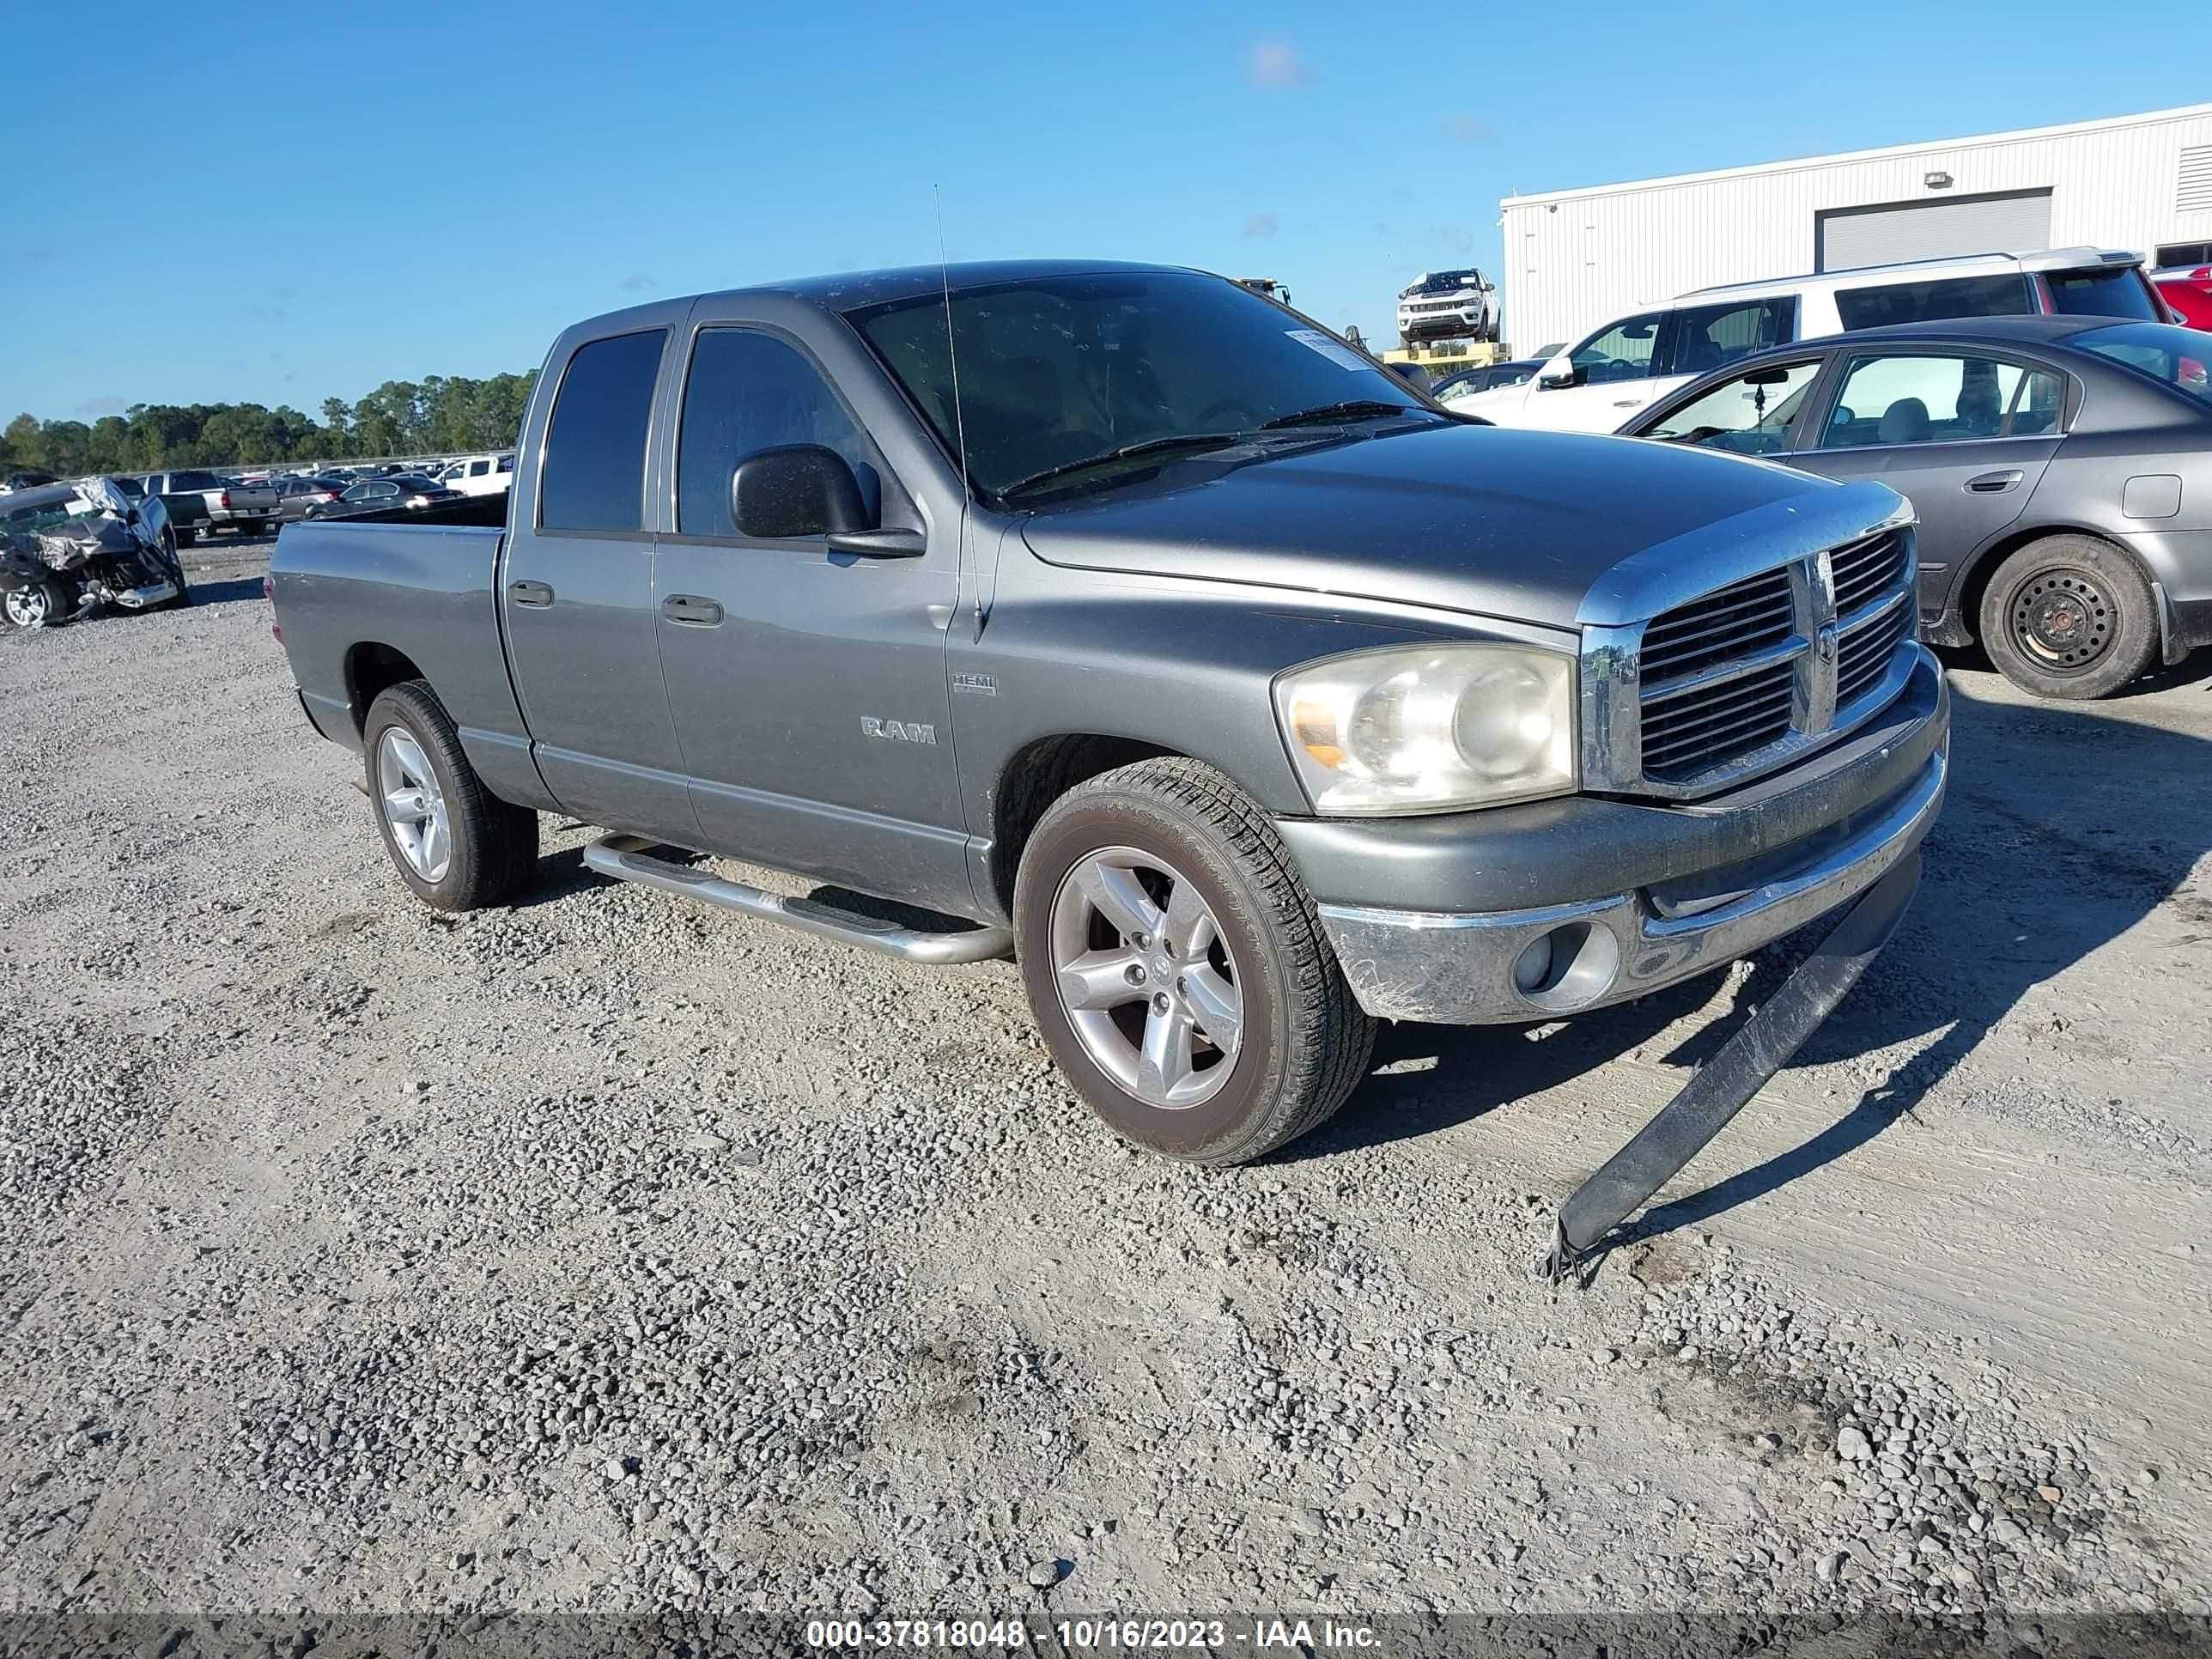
[1501,523]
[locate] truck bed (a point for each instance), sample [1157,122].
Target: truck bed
[431,589]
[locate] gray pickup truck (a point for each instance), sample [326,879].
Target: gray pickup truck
[1127,621]
[250,509]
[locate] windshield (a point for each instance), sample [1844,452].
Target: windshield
[1058,370]
[2178,356]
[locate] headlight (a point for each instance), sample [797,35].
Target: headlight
[1429,728]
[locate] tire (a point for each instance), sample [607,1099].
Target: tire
[38,603]
[1302,1041]
[2070,617]
[176,574]
[187,536]
[490,846]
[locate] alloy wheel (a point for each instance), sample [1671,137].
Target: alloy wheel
[413,804]
[1144,976]
[27,607]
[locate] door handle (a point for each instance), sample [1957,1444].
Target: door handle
[1628,402]
[530,592]
[1995,483]
[692,611]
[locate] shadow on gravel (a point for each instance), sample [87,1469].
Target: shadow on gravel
[224,592]
[2066,825]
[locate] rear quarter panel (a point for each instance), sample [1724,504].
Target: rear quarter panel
[426,591]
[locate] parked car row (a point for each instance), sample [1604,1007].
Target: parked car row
[1633,361]
[2061,467]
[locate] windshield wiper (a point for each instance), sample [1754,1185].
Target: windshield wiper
[1353,409]
[1194,442]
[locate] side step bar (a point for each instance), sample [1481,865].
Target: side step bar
[624,858]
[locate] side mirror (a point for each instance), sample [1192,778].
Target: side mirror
[794,490]
[1415,375]
[1558,372]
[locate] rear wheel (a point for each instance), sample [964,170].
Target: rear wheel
[1177,967]
[455,843]
[2070,617]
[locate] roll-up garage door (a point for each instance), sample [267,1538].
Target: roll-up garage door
[2013,222]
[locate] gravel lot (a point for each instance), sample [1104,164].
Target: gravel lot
[610,1253]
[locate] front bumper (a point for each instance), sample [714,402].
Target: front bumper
[1779,856]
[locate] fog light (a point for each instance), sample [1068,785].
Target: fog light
[1570,967]
[1533,966]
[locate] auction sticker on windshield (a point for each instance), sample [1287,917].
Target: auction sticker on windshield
[1335,350]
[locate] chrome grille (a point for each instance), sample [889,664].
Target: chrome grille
[1738,620]
[1864,570]
[1742,679]
[1865,652]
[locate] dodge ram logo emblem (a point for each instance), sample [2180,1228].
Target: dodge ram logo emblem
[898,731]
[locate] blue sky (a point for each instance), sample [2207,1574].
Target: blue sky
[371,193]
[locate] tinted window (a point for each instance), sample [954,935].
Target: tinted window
[750,392]
[507,462]
[2183,253]
[1707,337]
[2178,356]
[1622,352]
[2121,292]
[478,469]
[194,481]
[592,476]
[1920,302]
[1748,417]
[1056,371]
[1927,399]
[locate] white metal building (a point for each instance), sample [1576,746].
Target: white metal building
[1576,258]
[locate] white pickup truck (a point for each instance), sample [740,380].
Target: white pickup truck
[478,475]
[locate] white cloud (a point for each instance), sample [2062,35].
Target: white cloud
[1277,63]
[1469,129]
[1262,225]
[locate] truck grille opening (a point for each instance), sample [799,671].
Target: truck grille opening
[1865,569]
[1738,680]
[1863,655]
[1687,734]
[1731,622]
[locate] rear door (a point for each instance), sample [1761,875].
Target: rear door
[577,594]
[809,687]
[1964,435]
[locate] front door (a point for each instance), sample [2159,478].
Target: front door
[808,686]
[1963,436]
[1610,379]
[577,598]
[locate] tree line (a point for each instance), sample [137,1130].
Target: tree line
[439,414]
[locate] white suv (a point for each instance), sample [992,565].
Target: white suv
[1448,305]
[1600,383]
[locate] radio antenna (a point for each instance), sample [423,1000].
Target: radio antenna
[951,347]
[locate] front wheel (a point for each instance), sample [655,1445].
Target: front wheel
[38,603]
[457,845]
[2070,617]
[1177,967]
[175,566]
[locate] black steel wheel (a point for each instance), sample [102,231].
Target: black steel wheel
[2070,617]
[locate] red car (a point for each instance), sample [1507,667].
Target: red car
[2189,291]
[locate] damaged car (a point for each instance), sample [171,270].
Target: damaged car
[66,549]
